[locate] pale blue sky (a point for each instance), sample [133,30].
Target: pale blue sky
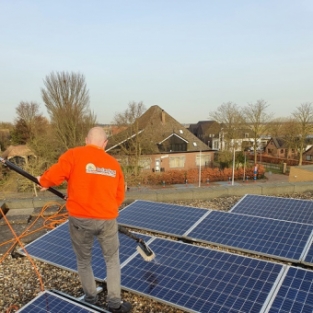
[188,57]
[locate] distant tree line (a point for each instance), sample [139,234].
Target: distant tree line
[255,118]
[66,98]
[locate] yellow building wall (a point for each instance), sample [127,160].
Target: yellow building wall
[300,173]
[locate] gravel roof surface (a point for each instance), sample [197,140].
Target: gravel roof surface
[19,282]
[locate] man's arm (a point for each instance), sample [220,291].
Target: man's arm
[58,172]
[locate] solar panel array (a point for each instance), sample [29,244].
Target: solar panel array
[198,279]
[55,248]
[164,218]
[286,209]
[53,303]
[280,239]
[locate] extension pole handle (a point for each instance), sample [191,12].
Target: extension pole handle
[30,177]
[126,232]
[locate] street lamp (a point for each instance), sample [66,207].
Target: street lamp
[234,158]
[195,145]
[233,174]
[221,139]
[244,166]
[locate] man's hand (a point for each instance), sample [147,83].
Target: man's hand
[41,188]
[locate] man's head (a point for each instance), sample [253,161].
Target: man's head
[97,136]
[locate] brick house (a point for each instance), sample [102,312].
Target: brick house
[206,131]
[164,143]
[308,154]
[277,147]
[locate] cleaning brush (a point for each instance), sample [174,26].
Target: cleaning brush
[146,253]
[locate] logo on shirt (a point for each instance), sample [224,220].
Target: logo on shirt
[92,169]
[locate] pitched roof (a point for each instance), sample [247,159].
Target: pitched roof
[157,125]
[278,142]
[20,150]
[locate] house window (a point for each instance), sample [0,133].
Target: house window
[157,166]
[144,163]
[281,150]
[205,160]
[176,162]
[178,146]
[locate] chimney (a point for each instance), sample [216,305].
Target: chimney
[163,117]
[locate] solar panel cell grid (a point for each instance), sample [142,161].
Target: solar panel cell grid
[293,210]
[201,280]
[48,302]
[295,294]
[160,217]
[281,239]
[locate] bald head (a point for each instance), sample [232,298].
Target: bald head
[96,136]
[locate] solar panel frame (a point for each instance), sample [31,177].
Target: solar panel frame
[272,238]
[287,209]
[163,218]
[307,257]
[48,301]
[199,279]
[295,287]
[48,248]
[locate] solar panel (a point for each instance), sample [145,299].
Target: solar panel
[293,210]
[164,218]
[308,255]
[197,279]
[295,293]
[55,248]
[53,303]
[280,239]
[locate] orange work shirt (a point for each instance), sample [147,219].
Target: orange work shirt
[95,179]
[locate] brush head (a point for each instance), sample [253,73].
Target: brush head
[146,253]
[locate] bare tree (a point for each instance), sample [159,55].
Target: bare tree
[27,111]
[131,136]
[26,126]
[256,120]
[290,129]
[231,119]
[275,126]
[67,100]
[304,117]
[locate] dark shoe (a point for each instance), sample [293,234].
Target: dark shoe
[94,302]
[125,307]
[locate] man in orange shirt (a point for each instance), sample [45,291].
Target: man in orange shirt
[95,189]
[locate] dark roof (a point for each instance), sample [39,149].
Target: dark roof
[157,125]
[278,142]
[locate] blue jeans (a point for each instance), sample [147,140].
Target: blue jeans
[83,231]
